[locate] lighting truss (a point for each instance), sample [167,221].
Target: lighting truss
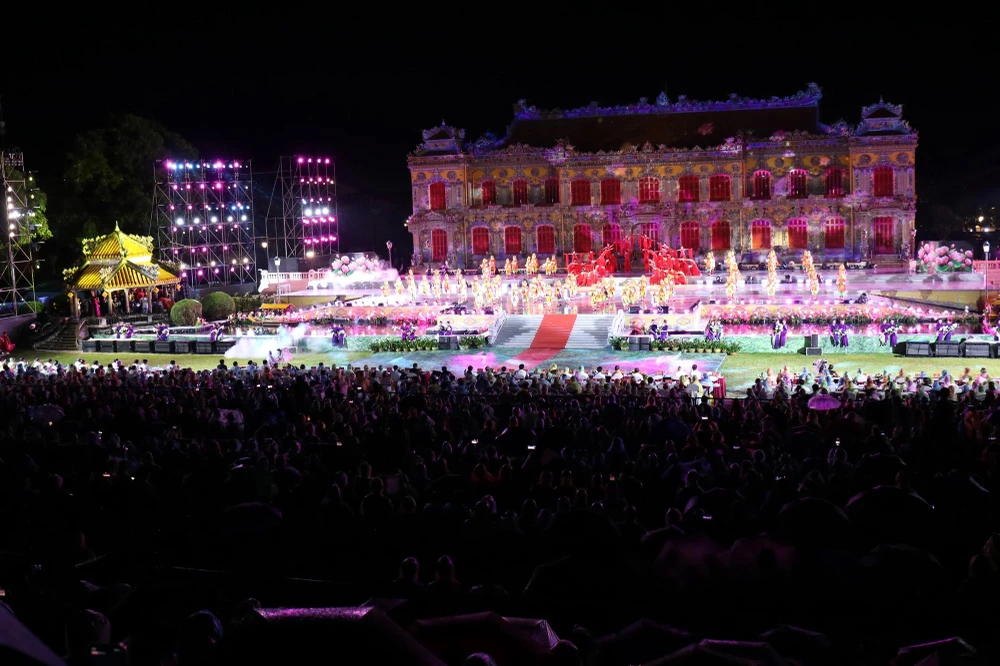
[17,275]
[205,220]
[308,229]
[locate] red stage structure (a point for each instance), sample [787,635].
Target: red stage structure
[656,257]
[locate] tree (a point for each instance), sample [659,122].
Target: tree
[39,202]
[110,172]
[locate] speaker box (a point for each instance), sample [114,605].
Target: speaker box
[918,348]
[812,340]
[814,351]
[633,309]
[977,350]
[948,349]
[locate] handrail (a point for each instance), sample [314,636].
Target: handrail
[494,329]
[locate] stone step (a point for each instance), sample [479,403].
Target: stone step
[518,331]
[590,332]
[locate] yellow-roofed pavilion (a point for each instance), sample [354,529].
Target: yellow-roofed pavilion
[117,261]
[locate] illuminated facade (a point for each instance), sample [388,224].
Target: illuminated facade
[741,174]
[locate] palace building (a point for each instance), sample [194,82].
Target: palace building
[741,174]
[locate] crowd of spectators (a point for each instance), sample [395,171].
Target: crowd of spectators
[156,506]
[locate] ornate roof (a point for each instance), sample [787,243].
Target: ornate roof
[124,275]
[619,132]
[118,261]
[666,124]
[883,119]
[117,245]
[442,140]
[809,97]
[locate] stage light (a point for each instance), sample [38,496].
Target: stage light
[179,221]
[333,238]
[326,211]
[263,244]
[246,260]
[310,254]
[213,263]
[301,160]
[187,187]
[174,186]
[309,212]
[328,160]
[243,219]
[196,220]
[214,219]
[201,186]
[201,272]
[234,262]
[225,247]
[229,218]
[310,160]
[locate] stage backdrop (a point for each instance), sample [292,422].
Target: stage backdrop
[944,257]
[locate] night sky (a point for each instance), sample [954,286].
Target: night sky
[253,87]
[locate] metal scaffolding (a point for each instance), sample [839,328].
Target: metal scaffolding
[305,234]
[17,266]
[205,220]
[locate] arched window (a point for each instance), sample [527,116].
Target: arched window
[611,191]
[798,184]
[798,234]
[489,193]
[835,234]
[520,192]
[480,240]
[687,188]
[512,240]
[611,234]
[882,185]
[545,239]
[760,235]
[761,185]
[690,235]
[439,244]
[551,190]
[649,190]
[438,199]
[718,187]
[581,238]
[580,192]
[885,235]
[835,182]
[721,235]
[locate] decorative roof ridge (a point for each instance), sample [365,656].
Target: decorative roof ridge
[809,97]
[894,109]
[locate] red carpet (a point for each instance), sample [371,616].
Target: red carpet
[549,340]
[554,332]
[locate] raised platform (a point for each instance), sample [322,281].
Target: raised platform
[105,345]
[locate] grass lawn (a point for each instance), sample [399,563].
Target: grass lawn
[742,369]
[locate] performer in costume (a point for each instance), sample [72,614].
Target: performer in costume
[844,342]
